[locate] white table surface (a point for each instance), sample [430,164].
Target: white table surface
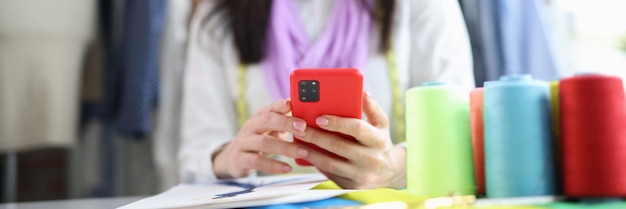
[91,203]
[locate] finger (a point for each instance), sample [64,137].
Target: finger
[375,114]
[345,148]
[364,132]
[282,106]
[367,181]
[330,164]
[272,121]
[342,182]
[271,145]
[261,163]
[282,135]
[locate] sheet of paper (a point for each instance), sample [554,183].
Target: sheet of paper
[305,196]
[240,193]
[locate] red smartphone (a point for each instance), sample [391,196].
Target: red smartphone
[328,91]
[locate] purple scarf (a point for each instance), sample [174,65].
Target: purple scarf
[344,43]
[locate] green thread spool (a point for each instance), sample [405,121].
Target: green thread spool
[439,150]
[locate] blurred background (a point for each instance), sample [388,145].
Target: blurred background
[90,89]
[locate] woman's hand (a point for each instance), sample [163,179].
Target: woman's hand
[372,162]
[262,135]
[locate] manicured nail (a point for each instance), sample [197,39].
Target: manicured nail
[367,93]
[322,121]
[286,168]
[299,125]
[303,152]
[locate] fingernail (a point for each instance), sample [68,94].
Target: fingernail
[367,93]
[322,121]
[302,152]
[299,125]
[285,102]
[286,168]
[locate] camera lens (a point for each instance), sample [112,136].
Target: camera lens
[308,90]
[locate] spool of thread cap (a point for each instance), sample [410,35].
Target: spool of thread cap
[518,141]
[439,156]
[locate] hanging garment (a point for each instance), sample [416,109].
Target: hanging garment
[509,37]
[525,40]
[42,46]
[131,75]
[132,35]
[143,28]
[167,131]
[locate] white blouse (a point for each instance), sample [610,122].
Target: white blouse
[429,39]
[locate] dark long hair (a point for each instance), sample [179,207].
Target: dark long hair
[249,19]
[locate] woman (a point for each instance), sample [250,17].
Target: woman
[238,62]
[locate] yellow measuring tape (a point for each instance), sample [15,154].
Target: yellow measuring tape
[397,108]
[242,105]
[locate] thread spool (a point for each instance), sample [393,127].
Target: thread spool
[593,118]
[556,133]
[518,144]
[478,145]
[554,109]
[439,158]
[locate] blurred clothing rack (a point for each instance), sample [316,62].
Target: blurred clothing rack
[10,178]
[510,37]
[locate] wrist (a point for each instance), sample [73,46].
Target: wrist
[218,167]
[399,178]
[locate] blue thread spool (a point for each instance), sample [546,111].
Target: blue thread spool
[519,158]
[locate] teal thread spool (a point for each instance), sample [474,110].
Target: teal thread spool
[519,157]
[439,150]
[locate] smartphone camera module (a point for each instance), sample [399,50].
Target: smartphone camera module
[308,90]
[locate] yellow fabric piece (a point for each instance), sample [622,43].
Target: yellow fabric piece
[495,207]
[382,195]
[373,195]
